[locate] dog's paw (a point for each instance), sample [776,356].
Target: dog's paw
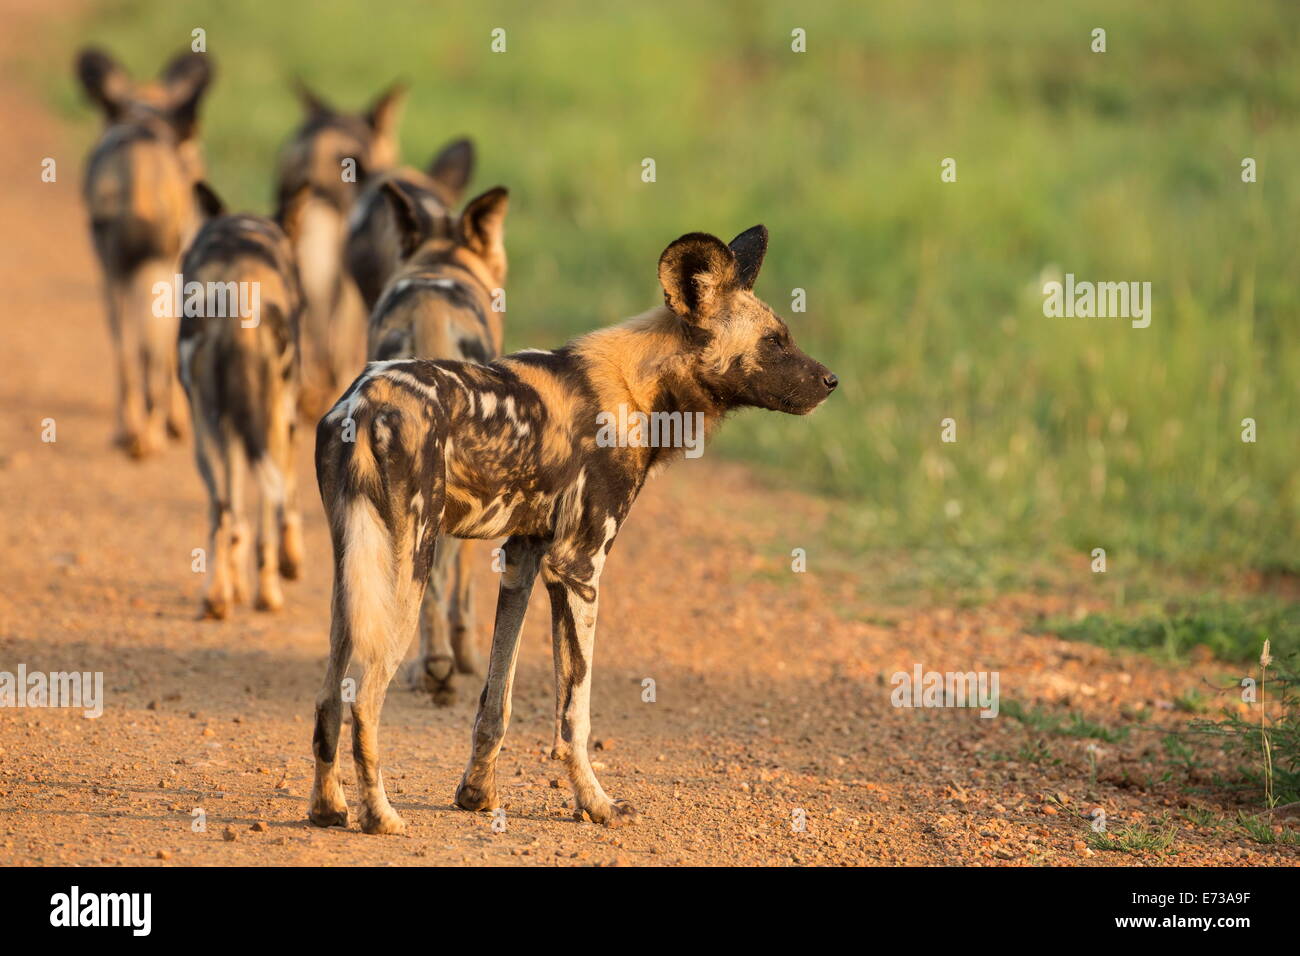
[474,797]
[614,814]
[382,821]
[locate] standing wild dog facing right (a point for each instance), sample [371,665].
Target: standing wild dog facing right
[240,369]
[418,449]
[139,190]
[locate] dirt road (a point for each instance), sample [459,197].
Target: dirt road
[771,687]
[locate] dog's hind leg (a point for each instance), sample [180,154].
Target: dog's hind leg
[270,512]
[477,790]
[434,666]
[159,353]
[373,615]
[463,638]
[236,466]
[290,517]
[377,814]
[383,491]
[329,805]
[128,348]
[392,602]
[384,574]
[209,453]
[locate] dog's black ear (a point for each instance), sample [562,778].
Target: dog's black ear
[312,104]
[453,167]
[695,272]
[749,248]
[210,204]
[386,112]
[104,81]
[185,71]
[483,227]
[410,233]
[187,77]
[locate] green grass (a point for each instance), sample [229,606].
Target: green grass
[924,297]
[1201,817]
[1233,630]
[1135,838]
[1261,831]
[1037,752]
[1272,773]
[1072,724]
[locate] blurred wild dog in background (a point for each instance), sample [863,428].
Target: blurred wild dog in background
[139,191]
[442,302]
[241,372]
[373,250]
[419,449]
[332,154]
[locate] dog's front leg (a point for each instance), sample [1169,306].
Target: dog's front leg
[573,637]
[478,789]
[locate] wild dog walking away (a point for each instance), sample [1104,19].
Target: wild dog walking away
[439,305]
[241,373]
[418,448]
[139,191]
[331,154]
[374,245]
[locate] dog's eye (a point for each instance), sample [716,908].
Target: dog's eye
[775,338]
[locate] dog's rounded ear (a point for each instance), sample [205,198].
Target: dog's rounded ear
[749,248]
[696,271]
[483,227]
[186,77]
[410,233]
[209,203]
[453,167]
[104,80]
[385,113]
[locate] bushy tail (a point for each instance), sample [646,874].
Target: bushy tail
[372,529]
[247,386]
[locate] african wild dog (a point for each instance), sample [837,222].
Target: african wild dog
[439,305]
[241,373]
[415,448]
[332,154]
[139,190]
[373,249]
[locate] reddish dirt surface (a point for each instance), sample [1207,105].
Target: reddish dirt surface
[772,687]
